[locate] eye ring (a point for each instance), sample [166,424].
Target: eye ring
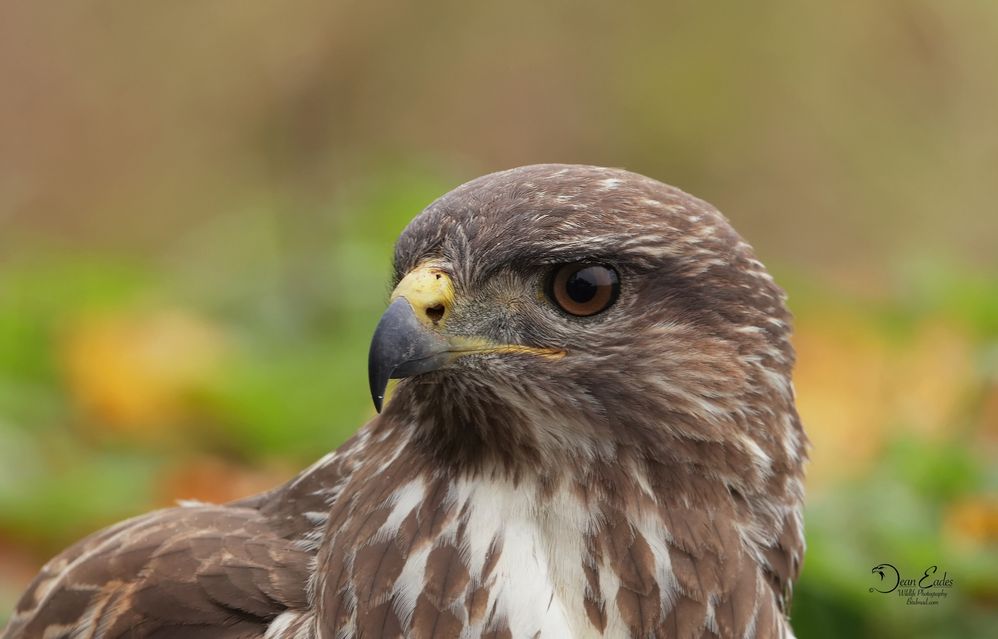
[583,289]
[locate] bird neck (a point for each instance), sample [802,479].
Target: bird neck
[603,553]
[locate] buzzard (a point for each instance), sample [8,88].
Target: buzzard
[594,435]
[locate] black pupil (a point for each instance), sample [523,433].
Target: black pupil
[582,285]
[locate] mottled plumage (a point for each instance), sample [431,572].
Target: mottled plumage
[636,473]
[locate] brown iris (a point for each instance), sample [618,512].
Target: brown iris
[584,289]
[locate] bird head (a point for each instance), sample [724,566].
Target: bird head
[557,313]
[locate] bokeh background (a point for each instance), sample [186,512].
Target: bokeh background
[198,202]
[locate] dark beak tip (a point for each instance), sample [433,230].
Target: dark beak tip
[378,375]
[390,346]
[401,347]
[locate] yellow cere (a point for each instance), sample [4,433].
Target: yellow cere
[428,288]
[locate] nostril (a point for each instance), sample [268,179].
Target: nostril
[435,313]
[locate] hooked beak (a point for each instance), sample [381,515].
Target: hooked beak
[402,346]
[410,338]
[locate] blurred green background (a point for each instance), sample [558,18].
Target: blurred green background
[198,202]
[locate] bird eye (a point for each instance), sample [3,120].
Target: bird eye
[584,289]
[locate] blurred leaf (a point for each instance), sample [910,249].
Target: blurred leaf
[215,480]
[81,494]
[134,372]
[938,472]
[36,297]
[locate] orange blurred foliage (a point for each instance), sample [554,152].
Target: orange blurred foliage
[930,378]
[841,379]
[973,521]
[216,481]
[855,389]
[134,373]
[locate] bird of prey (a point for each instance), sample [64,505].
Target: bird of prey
[593,435]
